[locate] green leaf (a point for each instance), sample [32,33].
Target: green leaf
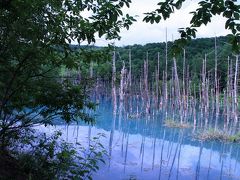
[228,14]
[236,16]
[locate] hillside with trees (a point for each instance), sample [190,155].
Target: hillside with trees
[194,52]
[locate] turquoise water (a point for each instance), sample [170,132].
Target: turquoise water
[142,148]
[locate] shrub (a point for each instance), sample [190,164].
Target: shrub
[46,157]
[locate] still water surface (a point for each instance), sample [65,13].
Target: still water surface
[142,148]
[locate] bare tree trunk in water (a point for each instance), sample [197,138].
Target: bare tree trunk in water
[184,99]
[216,81]
[228,93]
[157,82]
[177,90]
[166,74]
[130,81]
[114,96]
[122,83]
[146,92]
[235,91]
[194,109]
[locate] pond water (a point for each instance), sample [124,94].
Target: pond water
[142,148]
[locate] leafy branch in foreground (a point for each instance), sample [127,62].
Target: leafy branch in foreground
[35,39]
[48,157]
[229,9]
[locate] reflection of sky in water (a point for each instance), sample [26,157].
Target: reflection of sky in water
[136,151]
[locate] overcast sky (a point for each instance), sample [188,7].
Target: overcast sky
[142,33]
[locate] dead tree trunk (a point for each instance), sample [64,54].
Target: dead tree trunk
[166,74]
[235,91]
[177,89]
[146,91]
[216,81]
[114,95]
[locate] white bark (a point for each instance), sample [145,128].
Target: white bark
[166,68]
[114,96]
[235,91]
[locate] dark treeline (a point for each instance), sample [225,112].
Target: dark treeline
[195,53]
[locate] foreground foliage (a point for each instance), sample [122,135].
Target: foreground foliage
[35,38]
[34,46]
[44,157]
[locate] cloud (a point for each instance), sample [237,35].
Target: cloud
[142,33]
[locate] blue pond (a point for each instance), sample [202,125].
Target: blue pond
[142,148]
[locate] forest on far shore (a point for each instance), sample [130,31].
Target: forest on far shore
[195,53]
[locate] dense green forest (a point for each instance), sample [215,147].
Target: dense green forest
[195,53]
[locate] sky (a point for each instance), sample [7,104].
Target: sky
[143,33]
